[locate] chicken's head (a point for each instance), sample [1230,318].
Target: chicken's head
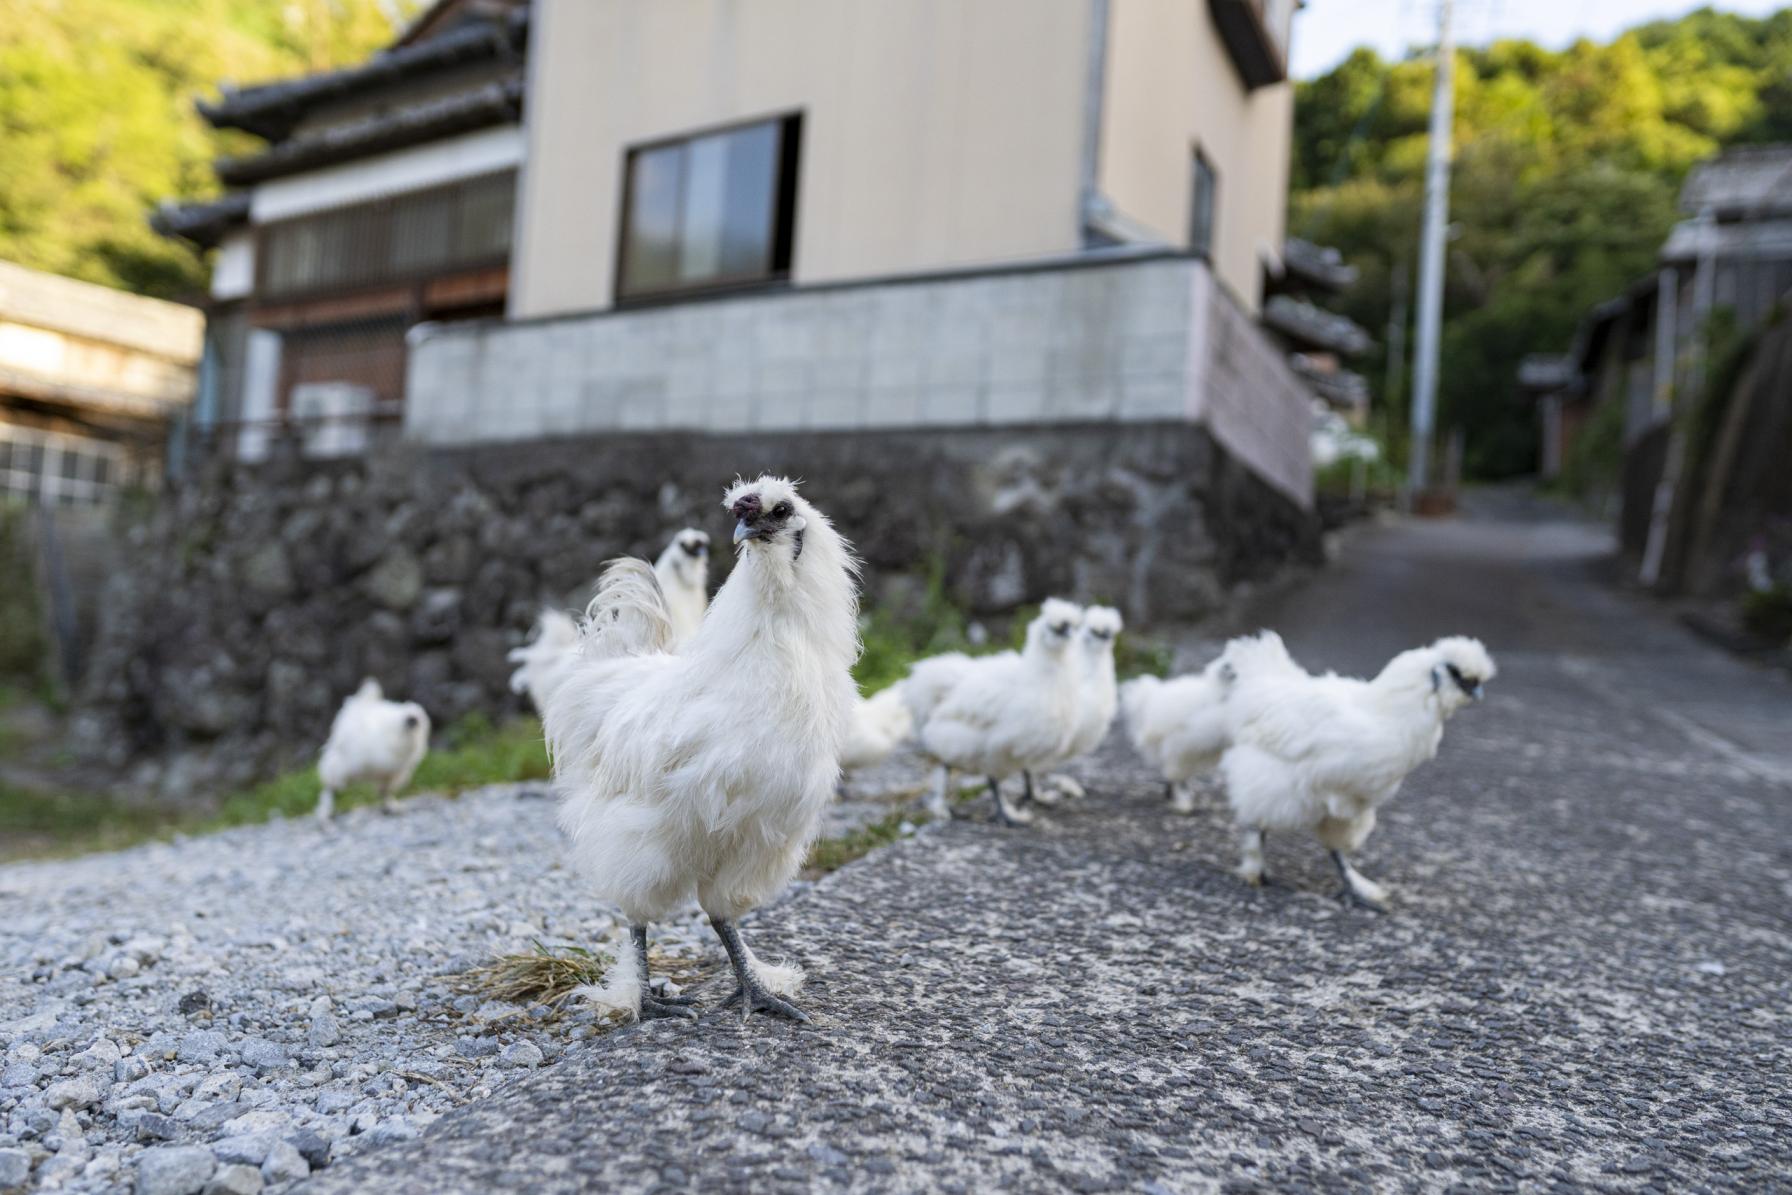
[693,543]
[1055,627]
[770,516]
[1101,626]
[1460,669]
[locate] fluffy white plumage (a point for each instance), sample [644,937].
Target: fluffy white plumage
[547,658]
[683,572]
[1322,753]
[373,740]
[705,773]
[879,723]
[1013,712]
[1097,694]
[1179,725]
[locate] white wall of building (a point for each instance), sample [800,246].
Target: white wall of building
[1136,341]
[936,133]
[233,269]
[1171,87]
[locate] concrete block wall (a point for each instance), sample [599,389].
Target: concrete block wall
[1077,343]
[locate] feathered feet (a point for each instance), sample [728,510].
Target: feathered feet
[1011,815]
[1358,888]
[750,993]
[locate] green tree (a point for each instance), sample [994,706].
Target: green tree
[97,122]
[1567,167]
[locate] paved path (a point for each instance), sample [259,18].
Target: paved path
[1584,984]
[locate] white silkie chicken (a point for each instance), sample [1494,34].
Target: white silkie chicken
[683,570]
[375,740]
[879,723]
[1179,725]
[930,682]
[705,773]
[1098,695]
[1322,753]
[1011,713]
[546,659]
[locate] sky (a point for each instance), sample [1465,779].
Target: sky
[1327,30]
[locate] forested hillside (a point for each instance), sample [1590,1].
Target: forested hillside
[1567,168]
[97,122]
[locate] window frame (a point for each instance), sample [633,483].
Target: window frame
[1199,162]
[371,228]
[784,207]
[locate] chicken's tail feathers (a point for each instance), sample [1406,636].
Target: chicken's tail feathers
[555,634]
[1136,695]
[1252,656]
[888,710]
[628,615]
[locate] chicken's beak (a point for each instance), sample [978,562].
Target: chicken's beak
[744,531]
[1477,692]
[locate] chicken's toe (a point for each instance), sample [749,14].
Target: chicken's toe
[757,999]
[659,1008]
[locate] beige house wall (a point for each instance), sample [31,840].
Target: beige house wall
[936,133]
[1171,87]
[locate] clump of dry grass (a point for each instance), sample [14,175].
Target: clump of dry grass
[549,975]
[543,975]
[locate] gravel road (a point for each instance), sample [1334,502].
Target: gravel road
[1583,984]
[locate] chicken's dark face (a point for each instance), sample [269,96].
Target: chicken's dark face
[1055,628]
[694,544]
[767,517]
[1462,670]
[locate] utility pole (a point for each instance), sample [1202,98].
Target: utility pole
[1431,256]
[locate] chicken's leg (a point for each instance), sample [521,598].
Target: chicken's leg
[751,994]
[326,804]
[1182,798]
[1006,814]
[1250,864]
[938,806]
[654,1007]
[1358,888]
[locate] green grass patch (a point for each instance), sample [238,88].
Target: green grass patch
[831,854]
[471,753]
[50,825]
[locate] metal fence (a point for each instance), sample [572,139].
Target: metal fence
[52,468]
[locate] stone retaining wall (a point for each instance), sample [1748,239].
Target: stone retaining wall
[258,597]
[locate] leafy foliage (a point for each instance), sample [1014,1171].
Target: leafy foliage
[1567,167]
[97,122]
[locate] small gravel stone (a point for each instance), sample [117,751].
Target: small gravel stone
[80,1092]
[18,1074]
[174,1170]
[313,1147]
[201,1045]
[263,1054]
[392,1130]
[521,1054]
[130,1068]
[234,1180]
[15,1168]
[284,1164]
[101,1055]
[324,1030]
[477,1047]
[248,1149]
[153,1126]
